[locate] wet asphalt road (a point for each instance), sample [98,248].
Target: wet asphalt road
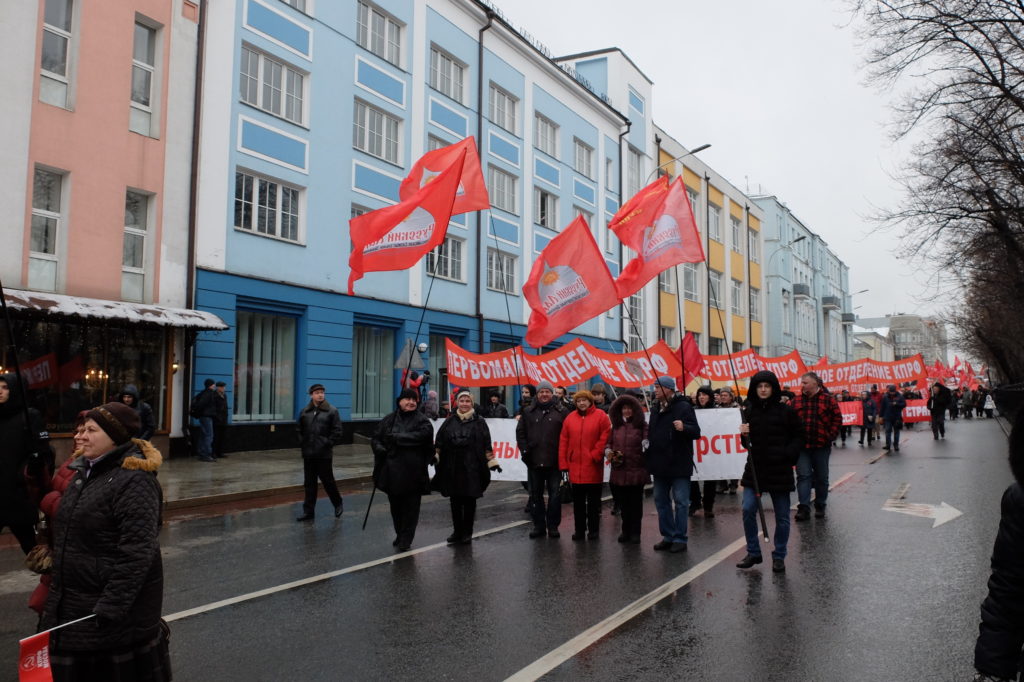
[868,594]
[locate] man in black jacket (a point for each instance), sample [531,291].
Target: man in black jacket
[673,428]
[130,397]
[220,421]
[537,435]
[320,430]
[204,409]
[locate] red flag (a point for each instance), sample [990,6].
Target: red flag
[691,359]
[568,285]
[472,190]
[638,213]
[956,363]
[820,364]
[396,237]
[34,659]
[970,370]
[666,237]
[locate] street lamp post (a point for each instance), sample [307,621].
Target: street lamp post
[681,156]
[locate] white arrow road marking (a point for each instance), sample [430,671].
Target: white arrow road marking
[940,512]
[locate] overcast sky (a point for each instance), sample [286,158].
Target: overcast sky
[777,89]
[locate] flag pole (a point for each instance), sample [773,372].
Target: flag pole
[650,362]
[508,309]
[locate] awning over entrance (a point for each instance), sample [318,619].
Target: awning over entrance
[58,305]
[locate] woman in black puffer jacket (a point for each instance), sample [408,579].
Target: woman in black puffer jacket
[704,400]
[773,436]
[625,451]
[106,558]
[999,652]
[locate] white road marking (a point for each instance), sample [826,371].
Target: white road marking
[324,576]
[557,657]
[942,513]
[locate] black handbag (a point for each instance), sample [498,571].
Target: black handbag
[565,492]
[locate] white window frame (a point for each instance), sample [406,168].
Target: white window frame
[753,245]
[282,84]
[736,304]
[583,158]
[58,218]
[545,134]
[736,226]
[545,216]
[503,197]
[297,4]
[434,142]
[715,292]
[364,137]
[447,74]
[714,222]
[666,281]
[296,197]
[755,305]
[694,197]
[54,87]
[691,282]
[501,271]
[635,306]
[502,109]
[449,258]
[141,115]
[140,232]
[587,215]
[609,172]
[633,167]
[387,44]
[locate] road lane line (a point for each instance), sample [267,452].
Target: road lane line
[557,657]
[187,613]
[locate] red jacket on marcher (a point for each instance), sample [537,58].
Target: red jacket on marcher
[581,445]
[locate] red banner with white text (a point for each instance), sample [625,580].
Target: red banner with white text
[747,363]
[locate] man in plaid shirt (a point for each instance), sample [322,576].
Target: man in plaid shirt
[819,413]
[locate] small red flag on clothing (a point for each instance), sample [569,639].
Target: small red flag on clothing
[691,359]
[663,235]
[568,285]
[471,194]
[396,237]
[34,659]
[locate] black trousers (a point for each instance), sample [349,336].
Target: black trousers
[543,479]
[939,424]
[405,514]
[323,469]
[631,506]
[24,532]
[586,506]
[463,514]
[220,436]
[707,500]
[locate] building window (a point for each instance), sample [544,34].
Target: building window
[297,4]
[373,371]
[716,346]
[715,294]
[545,209]
[787,324]
[434,143]
[737,346]
[633,163]
[502,189]
[503,109]
[264,367]
[665,281]
[446,260]
[587,215]
[375,132]
[696,337]
[609,173]
[271,85]
[379,33]
[47,188]
[736,296]
[754,246]
[668,335]
[755,304]
[635,309]
[143,72]
[545,135]
[133,260]
[446,74]
[583,158]
[55,62]
[691,282]
[737,234]
[714,222]
[266,207]
[501,271]
[694,197]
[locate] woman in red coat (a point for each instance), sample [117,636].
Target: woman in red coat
[581,456]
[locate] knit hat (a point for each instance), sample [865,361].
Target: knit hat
[666,382]
[117,420]
[208,383]
[409,394]
[583,394]
[544,383]
[316,387]
[462,393]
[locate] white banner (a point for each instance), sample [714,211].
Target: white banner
[718,454]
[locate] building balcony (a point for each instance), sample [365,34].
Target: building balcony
[849,318]
[830,303]
[801,290]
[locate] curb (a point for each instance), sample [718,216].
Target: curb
[195,502]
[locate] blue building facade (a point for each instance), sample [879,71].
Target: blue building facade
[313,113]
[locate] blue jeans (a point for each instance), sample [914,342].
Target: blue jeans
[892,435]
[672,522]
[780,501]
[812,468]
[206,438]
[541,479]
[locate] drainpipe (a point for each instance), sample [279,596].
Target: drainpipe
[480,151]
[622,200]
[746,236]
[657,307]
[193,191]
[707,250]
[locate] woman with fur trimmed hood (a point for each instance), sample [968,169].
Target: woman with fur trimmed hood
[625,451]
[106,559]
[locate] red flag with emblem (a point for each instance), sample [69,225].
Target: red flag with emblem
[568,285]
[667,236]
[471,194]
[34,658]
[639,212]
[691,359]
[396,237]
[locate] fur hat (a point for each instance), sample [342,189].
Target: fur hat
[117,420]
[583,394]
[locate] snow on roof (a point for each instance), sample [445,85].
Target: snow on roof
[95,308]
[881,331]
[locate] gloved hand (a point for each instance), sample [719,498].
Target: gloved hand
[565,475]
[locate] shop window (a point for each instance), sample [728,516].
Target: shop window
[264,367]
[373,372]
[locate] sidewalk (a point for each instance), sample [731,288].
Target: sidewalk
[187,482]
